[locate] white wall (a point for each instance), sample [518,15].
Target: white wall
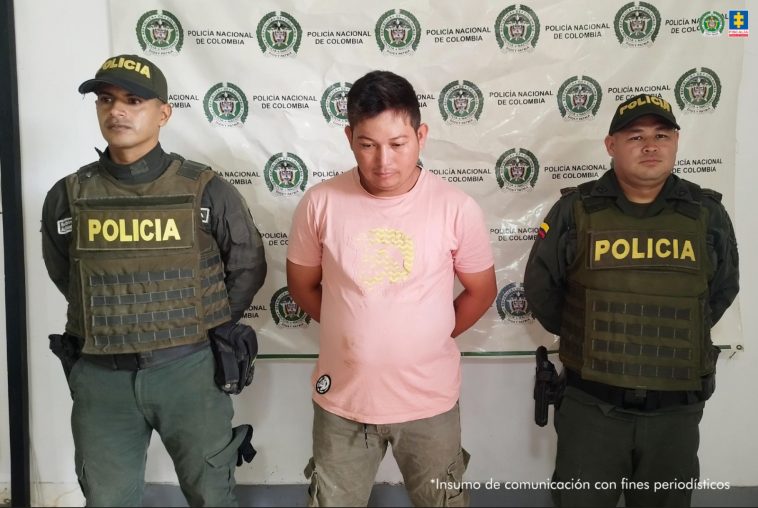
[61,43]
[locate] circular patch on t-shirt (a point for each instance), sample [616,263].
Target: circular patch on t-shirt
[323,384]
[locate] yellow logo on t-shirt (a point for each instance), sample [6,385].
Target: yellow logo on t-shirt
[387,256]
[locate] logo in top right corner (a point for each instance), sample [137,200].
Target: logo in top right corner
[711,24]
[738,24]
[698,90]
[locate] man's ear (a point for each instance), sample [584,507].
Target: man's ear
[166,111]
[610,145]
[422,133]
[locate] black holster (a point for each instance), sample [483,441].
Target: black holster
[548,386]
[235,347]
[68,349]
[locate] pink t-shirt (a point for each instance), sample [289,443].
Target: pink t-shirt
[388,269]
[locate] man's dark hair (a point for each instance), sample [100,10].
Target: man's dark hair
[380,91]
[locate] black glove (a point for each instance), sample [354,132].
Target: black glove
[246,452]
[235,347]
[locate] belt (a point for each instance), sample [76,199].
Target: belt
[145,359]
[631,398]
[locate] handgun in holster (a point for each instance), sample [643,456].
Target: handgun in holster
[548,386]
[68,349]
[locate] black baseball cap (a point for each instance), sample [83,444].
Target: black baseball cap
[641,105]
[133,73]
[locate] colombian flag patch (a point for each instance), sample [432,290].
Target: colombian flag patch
[544,228]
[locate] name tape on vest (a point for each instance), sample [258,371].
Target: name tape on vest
[135,229]
[639,249]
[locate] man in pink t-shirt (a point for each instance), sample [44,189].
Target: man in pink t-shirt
[373,256]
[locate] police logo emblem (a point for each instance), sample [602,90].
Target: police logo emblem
[159,32]
[285,174]
[517,28]
[512,305]
[225,104]
[579,98]
[334,104]
[285,312]
[279,34]
[637,24]
[517,170]
[323,384]
[205,215]
[461,102]
[397,32]
[711,24]
[698,90]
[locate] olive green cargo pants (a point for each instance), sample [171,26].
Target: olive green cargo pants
[347,454]
[115,412]
[613,451]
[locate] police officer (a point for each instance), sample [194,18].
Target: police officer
[631,271]
[151,252]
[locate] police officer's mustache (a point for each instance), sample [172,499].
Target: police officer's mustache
[113,124]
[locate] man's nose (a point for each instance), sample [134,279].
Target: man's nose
[118,108]
[651,145]
[385,154]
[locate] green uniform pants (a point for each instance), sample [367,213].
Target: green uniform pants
[115,412]
[347,454]
[614,451]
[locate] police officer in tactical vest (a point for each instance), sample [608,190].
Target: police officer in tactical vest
[631,271]
[154,254]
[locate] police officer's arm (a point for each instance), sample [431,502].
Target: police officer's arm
[479,291]
[725,283]
[239,242]
[304,284]
[545,274]
[55,242]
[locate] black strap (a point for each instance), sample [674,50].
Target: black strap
[592,203]
[88,171]
[190,169]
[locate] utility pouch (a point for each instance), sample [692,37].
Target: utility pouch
[67,348]
[235,347]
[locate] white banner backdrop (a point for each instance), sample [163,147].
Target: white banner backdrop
[518,98]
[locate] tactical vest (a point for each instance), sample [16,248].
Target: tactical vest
[144,275]
[635,310]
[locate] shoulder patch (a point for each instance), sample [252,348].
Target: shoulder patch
[191,169]
[710,193]
[88,171]
[65,226]
[544,228]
